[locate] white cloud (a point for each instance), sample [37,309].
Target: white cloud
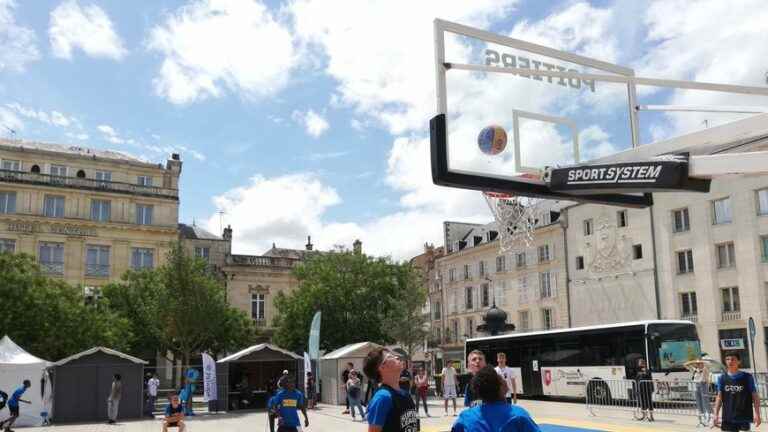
[80,136]
[54,118]
[110,134]
[17,44]
[88,28]
[328,155]
[212,45]
[9,121]
[313,122]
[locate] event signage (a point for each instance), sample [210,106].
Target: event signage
[648,176]
[209,378]
[63,229]
[727,344]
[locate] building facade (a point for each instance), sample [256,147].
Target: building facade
[473,275]
[86,215]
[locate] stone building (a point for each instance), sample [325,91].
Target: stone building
[86,215]
[530,284]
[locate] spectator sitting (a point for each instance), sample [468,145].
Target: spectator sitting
[174,414]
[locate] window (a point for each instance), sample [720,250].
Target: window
[468,298]
[522,290]
[203,252]
[80,174]
[520,260]
[257,306]
[142,258]
[7,202]
[97,261]
[579,263]
[144,181]
[544,253]
[467,272]
[58,170]
[436,311]
[11,165]
[501,263]
[637,251]
[762,202]
[499,293]
[731,299]
[680,220]
[104,176]
[726,256]
[143,214]
[51,257]
[764,247]
[485,295]
[35,169]
[451,274]
[456,330]
[54,206]
[621,218]
[588,227]
[721,210]
[688,305]
[547,319]
[7,245]
[101,210]
[470,328]
[523,320]
[481,268]
[545,285]
[685,262]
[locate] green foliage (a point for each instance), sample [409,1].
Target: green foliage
[405,322]
[179,307]
[49,317]
[356,294]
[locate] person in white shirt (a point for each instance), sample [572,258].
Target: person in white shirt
[508,374]
[152,385]
[449,386]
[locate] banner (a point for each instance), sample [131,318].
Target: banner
[307,368]
[209,378]
[314,344]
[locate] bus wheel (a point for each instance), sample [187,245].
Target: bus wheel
[598,392]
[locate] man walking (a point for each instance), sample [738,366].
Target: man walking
[390,409]
[449,386]
[13,405]
[113,401]
[508,374]
[152,385]
[737,395]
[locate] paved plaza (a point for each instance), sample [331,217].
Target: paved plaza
[552,416]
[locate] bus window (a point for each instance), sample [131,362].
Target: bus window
[671,345]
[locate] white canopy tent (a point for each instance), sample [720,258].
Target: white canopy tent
[334,363]
[17,365]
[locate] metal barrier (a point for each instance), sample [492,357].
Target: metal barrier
[676,398]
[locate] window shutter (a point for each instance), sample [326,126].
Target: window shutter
[552,251]
[553,283]
[501,289]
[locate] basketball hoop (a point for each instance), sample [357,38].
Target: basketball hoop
[517,218]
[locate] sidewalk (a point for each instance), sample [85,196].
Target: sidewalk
[552,416]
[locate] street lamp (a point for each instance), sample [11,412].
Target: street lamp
[495,319]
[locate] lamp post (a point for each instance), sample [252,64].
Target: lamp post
[495,319]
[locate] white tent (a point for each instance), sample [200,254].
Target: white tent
[334,363]
[17,365]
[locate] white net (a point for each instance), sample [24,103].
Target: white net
[517,218]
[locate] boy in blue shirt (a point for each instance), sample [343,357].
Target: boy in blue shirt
[13,405]
[390,409]
[286,403]
[174,414]
[737,394]
[495,414]
[475,362]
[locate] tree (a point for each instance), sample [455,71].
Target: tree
[355,292]
[405,322]
[49,317]
[180,307]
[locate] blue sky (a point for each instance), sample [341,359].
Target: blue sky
[310,117]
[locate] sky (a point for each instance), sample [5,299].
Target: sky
[310,117]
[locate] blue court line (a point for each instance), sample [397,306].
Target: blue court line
[556,428]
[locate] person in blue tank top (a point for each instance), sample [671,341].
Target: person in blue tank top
[287,403]
[391,409]
[737,395]
[13,405]
[494,414]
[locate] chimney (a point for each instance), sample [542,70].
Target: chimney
[357,246]
[227,234]
[309,246]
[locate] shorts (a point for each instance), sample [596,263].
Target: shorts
[173,424]
[449,392]
[735,427]
[13,410]
[283,428]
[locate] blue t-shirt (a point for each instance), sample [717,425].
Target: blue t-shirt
[737,375]
[380,406]
[288,403]
[170,410]
[497,416]
[13,402]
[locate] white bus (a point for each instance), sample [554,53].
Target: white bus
[577,361]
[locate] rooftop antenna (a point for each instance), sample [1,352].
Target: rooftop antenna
[221,220]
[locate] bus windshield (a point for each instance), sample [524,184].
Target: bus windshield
[671,345]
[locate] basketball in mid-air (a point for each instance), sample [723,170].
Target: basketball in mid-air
[492,140]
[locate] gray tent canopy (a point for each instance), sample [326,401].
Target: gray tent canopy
[333,364]
[82,383]
[256,368]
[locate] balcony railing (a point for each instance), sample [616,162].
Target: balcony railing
[263,261]
[54,268]
[85,183]
[690,317]
[260,322]
[731,316]
[98,270]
